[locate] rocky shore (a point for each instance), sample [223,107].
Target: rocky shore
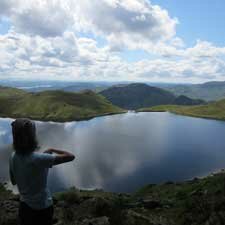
[194,202]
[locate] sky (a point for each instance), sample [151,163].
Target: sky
[175,41]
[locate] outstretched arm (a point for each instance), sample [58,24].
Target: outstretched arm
[61,156]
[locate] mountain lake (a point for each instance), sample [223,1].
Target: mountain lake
[124,152]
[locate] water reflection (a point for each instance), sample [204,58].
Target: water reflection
[124,152]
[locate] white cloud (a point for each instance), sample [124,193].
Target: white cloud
[125,23]
[133,20]
[46,18]
[45,41]
[204,49]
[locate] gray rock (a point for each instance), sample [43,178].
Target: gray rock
[95,221]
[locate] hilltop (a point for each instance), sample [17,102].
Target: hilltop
[54,105]
[214,110]
[139,95]
[193,202]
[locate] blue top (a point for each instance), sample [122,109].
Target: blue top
[30,173]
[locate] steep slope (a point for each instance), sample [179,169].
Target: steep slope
[56,105]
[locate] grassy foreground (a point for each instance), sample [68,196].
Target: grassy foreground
[54,105]
[215,110]
[194,202]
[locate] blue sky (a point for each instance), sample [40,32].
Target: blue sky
[199,19]
[139,40]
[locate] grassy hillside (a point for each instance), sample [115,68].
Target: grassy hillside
[54,105]
[215,110]
[193,202]
[209,91]
[11,92]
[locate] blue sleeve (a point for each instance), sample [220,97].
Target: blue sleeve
[44,160]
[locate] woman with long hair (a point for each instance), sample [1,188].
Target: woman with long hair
[29,171]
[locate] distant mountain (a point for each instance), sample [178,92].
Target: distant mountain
[139,95]
[81,86]
[37,86]
[53,105]
[209,91]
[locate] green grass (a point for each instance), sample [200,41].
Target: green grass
[215,110]
[11,92]
[54,105]
[207,91]
[191,202]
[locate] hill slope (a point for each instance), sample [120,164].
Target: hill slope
[11,92]
[215,110]
[137,95]
[54,105]
[209,91]
[184,100]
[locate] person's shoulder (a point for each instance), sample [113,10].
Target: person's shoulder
[37,155]
[43,159]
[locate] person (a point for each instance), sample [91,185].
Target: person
[29,171]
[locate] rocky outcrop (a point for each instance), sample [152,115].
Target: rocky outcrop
[194,202]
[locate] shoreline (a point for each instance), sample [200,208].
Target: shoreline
[184,114]
[64,120]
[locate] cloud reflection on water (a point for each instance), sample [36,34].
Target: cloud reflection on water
[124,152]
